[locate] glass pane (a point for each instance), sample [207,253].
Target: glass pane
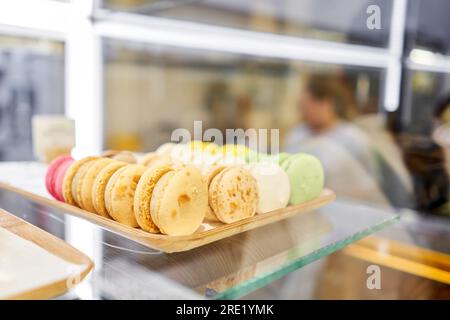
[150,91]
[422,127]
[31,82]
[231,267]
[427,25]
[423,93]
[335,20]
[411,254]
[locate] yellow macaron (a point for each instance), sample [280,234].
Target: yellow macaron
[233,194]
[179,201]
[71,175]
[143,196]
[209,175]
[120,191]
[99,187]
[154,159]
[86,183]
[124,156]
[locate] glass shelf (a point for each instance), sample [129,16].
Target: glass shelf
[335,226]
[226,269]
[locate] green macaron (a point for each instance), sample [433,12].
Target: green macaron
[306,177]
[282,156]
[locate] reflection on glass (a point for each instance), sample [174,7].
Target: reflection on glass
[31,82]
[337,20]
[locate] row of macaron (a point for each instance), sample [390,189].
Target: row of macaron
[112,187]
[171,199]
[161,199]
[298,177]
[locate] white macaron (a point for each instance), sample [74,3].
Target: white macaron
[273,186]
[166,149]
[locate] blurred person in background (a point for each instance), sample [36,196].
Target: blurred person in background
[325,111]
[326,132]
[426,157]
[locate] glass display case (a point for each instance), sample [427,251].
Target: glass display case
[130,72]
[340,21]
[151,90]
[231,268]
[31,82]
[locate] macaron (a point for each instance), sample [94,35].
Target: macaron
[60,174]
[143,195]
[152,158]
[233,194]
[231,160]
[203,146]
[165,149]
[237,150]
[148,158]
[69,178]
[77,183]
[253,157]
[179,201]
[209,175]
[273,186]
[120,155]
[120,191]
[306,177]
[99,187]
[211,148]
[196,145]
[203,160]
[87,183]
[50,176]
[281,157]
[182,152]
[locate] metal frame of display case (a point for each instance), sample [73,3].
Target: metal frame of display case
[82,24]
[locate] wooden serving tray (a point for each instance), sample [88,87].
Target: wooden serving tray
[53,245]
[207,233]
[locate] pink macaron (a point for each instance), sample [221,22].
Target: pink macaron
[52,171]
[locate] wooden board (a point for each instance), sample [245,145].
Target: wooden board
[203,236]
[53,245]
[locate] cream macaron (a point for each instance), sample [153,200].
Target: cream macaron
[273,186]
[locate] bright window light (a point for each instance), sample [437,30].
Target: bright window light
[39,15]
[424,57]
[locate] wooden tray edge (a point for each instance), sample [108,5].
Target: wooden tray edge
[45,240]
[170,244]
